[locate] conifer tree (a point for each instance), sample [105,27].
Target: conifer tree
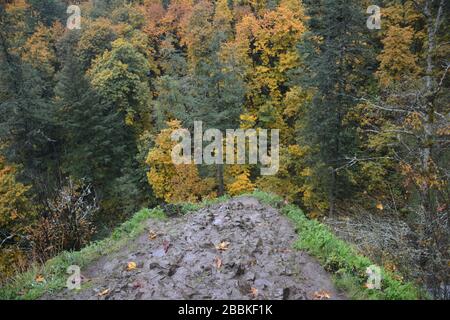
[336,59]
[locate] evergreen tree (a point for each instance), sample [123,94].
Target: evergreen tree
[28,131]
[219,90]
[336,60]
[47,11]
[100,148]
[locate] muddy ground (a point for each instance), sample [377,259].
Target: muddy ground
[235,250]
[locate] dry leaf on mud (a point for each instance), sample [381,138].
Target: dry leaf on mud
[166,245]
[131,266]
[39,278]
[322,295]
[223,246]
[152,235]
[218,262]
[254,292]
[103,293]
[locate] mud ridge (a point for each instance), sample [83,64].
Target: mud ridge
[239,249]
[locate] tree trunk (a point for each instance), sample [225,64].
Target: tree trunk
[219,178]
[332,195]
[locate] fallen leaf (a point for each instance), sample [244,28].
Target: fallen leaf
[379,206]
[166,245]
[103,293]
[322,295]
[367,286]
[390,266]
[14,215]
[131,266]
[152,235]
[218,262]
[223,246]
[254,292]
[397,277]
[39,278]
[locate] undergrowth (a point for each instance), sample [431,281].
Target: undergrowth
[51,276]
[339,258]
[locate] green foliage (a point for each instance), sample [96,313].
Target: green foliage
[120,76]
[337,58]
[47,11]
[95,39]
[128,15]
[99,148]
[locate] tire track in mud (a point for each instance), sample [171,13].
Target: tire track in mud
[239,249]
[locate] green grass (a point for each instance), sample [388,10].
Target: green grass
[24,286]
[340,259]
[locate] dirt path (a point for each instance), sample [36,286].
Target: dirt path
[235,250]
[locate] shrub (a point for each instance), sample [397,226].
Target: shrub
[68,223]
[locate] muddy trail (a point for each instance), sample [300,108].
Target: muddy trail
[239,249]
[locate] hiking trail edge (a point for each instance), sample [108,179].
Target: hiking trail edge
[239,249]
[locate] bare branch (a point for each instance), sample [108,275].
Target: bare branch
[441,82]
[353,161]
[438,17]
[6,239]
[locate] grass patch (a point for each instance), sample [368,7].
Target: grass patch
[24,285]
[339,258]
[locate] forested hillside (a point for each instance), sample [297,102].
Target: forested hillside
[87,114]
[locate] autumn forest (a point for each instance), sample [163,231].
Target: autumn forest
[361,103]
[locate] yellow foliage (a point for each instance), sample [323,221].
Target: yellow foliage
[12,260]
[223,16]
[38,50]
[248,121]
[273,38]
[242,183]
[414,121]
[174,183]
[16,213]
[188,186]
[288,181]
[313,198]
[405,13]
[396,60]
[17,4]
[15,207]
